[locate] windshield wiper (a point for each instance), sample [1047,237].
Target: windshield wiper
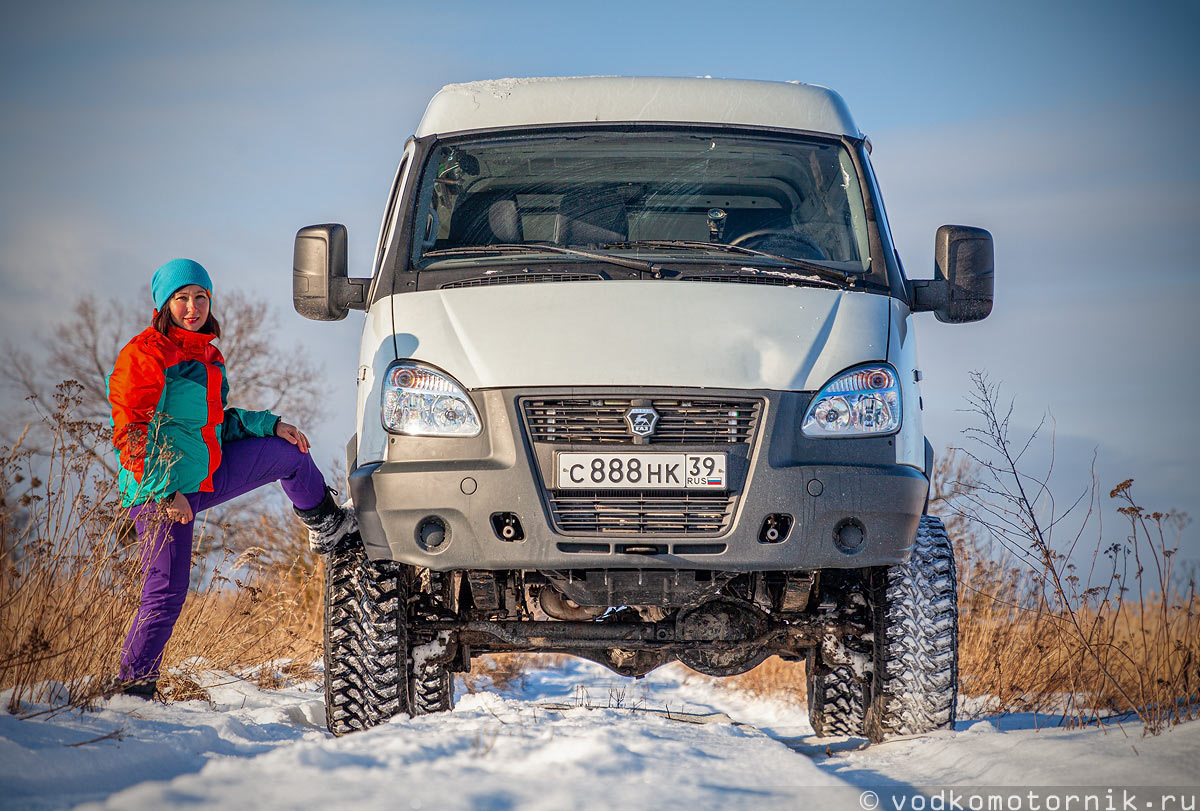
[826,273]
[517,247]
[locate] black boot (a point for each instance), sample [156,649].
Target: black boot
[327,523]
[142,688]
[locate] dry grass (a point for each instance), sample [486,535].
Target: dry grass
[506,672]
[70,580]
[773,678]
[1094,657]
[1085,626]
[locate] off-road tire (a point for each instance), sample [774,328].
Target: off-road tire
[366,640]
[914,688]
[835,700]
[431,683]
[432,689]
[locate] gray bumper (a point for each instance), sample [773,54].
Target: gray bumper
[820,484]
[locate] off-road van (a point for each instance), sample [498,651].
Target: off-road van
[638,383]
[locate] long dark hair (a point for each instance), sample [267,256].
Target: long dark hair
[162,322]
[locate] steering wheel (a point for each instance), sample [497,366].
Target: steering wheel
[780,241]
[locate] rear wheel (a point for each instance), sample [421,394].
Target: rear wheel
[432,689]
[915,683]
[365,633]
[430,680]
[835,699]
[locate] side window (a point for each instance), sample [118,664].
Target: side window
[387,228]
[857,213]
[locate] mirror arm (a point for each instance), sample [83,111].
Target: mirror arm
[930,295]
[351,293]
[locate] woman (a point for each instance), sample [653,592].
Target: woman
[182,451]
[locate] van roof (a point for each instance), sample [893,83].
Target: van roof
[507,103]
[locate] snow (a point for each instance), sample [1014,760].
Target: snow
[575,736]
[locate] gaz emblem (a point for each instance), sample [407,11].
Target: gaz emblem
[641,421]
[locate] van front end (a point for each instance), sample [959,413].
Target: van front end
[723,479]
[653,471]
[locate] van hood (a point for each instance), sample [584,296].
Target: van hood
[641,333]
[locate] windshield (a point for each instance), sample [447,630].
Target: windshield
[661,195]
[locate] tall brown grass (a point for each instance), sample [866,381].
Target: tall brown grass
[70,580]
[774,678]
[1083,652]
[1083,627]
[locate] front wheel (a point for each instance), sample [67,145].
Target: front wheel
[366,641]
[914,688]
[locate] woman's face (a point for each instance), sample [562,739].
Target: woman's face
[189,307]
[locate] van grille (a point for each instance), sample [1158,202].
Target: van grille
[693,420]
[634,513]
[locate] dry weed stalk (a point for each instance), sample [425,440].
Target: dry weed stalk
[1039,634]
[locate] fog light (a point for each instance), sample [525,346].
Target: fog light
[432,534]
[849,535]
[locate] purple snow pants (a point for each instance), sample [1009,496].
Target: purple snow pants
[166,548]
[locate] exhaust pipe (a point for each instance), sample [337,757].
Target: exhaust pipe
[561,607]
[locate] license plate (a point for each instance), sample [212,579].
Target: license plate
[641,471]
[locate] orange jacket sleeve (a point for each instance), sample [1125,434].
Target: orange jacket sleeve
[135,388]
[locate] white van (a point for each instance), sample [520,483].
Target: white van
[638,383]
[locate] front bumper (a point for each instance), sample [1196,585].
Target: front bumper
[821,485]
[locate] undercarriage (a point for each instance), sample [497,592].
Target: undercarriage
[879,643]
[717,623]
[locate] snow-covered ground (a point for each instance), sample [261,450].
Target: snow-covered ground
[570,737]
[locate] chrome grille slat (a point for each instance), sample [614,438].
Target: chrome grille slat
[602,420]
[711,421]
[673,513]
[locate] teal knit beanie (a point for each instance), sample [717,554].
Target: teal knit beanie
[176,274]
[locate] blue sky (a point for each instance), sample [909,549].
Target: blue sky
[136,132]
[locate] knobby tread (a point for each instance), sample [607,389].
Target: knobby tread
[431,682]
[365,673]
[835,700]
[432,689]
[915,683]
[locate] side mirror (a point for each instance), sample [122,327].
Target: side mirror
[320,289]
[964,270]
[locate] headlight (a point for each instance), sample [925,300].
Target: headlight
[865,401]
[421,402]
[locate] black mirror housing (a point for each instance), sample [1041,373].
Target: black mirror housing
[964,276]
[320,288]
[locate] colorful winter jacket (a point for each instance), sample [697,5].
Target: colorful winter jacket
[169,416]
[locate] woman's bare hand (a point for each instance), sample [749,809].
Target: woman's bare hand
[180,509]
[292,434]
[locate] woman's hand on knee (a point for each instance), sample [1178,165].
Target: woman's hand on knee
[292,434]
[179,509]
